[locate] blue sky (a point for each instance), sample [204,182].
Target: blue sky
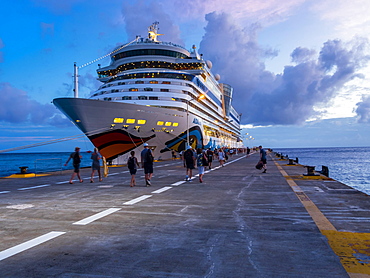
[300,69]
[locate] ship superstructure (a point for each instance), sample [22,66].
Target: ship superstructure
[159,93]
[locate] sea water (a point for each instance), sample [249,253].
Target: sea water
[350,166]
[10,163]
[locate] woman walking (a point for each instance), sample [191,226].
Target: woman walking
[95,156]
[132,165]
[221,157]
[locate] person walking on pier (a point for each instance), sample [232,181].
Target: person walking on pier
[221,157]
[76,158]
[95,156]
[132,165]
[263,158]
[209,154]
[202,161]
[189,158]
[147,160]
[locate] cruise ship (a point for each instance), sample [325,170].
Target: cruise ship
[157,93]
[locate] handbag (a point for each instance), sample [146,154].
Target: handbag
[259,165]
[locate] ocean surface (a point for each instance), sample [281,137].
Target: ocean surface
[38,162]
[350,166]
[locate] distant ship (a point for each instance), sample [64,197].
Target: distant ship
[158,93]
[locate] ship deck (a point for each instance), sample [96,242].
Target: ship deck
[238,223]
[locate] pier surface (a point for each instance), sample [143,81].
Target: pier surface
[239,222]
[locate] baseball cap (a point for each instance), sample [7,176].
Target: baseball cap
[146,145]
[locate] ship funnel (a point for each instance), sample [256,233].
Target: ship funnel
[227,91]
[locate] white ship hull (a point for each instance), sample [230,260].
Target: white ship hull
[98,120]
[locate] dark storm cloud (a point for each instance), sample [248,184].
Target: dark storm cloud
[265,98]
[17,107]
[363,110]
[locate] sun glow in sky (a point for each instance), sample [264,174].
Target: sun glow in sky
[300,69]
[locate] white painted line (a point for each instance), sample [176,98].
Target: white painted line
[178,183]
[38,186]
[28,244]
[62,182]
[162,189]
[136,200]
[3,192]
[113,174]
[97,216]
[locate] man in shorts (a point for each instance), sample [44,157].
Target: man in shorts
[189,159]
[147,163]
[76,159]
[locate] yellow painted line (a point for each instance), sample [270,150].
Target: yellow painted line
[353,249]
[22,176]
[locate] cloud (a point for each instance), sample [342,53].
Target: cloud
[139,15]
[47,29]
[288,98]
[17,107]
[57,6]
[244,11]
[363,110]
[349,18]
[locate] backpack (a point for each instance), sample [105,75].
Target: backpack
[149,156]
[76,158]
[131,163]
[188,155]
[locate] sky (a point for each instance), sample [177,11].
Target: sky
[300,69]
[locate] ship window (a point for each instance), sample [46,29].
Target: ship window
[165,90]
[141,122]
[126,98]
[168,124]
[118,120]
[142,97]
[133,89]
[160,123]
[130,121]
[139,82]
[153,82]
[166,82]
[153,98]
[148,89]
[175,124]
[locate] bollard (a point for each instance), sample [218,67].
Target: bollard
[23,169]
[310,170]
[296,160]
[291,161]
[325,170]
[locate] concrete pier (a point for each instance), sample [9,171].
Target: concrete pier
[239,222]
